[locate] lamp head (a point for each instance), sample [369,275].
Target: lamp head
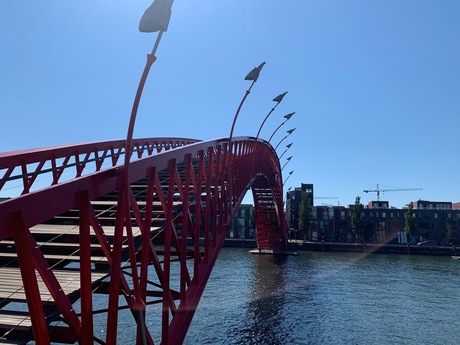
[156,17]
[291,130]
[280,97]
[288,116]
[254,74]
[289,145]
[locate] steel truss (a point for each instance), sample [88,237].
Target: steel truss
[148,251]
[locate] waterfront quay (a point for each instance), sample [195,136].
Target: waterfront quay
[377,248]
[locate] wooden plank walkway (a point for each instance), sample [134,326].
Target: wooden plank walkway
[59,244]
[12,288]
[58,240]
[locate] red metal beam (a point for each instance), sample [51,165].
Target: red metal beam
[86,293]
[204,168]
[36,313]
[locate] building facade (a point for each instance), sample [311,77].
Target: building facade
[437,221]
[242,225]
[293,200]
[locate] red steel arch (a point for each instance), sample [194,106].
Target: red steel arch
[148,254]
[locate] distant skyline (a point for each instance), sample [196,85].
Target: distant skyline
[374,84]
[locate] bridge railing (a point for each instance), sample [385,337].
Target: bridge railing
[205,169]
[24,171]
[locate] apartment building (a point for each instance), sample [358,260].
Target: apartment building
[437,221]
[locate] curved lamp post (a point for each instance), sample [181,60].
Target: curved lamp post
[287,161]
[287,178]
[289,132]
[155,19]
[287,148]
[278,100]
[287,117]
[253,75]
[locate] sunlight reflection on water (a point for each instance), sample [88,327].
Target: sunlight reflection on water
[328,298]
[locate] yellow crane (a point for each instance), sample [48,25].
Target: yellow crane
[378,190]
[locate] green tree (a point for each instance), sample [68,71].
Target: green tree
[305,213]
[409,222]
[356,220]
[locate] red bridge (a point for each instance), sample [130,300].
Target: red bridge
[79,246]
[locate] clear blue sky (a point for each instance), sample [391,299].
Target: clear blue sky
[374,84]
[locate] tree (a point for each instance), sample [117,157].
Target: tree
[356,220]
[305,213]
[409,222]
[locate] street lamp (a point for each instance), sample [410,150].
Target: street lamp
[253,75]
[278,100]
[289,132]
[287,148]
[289,175]
[287,117]
[155,19]
[287,161]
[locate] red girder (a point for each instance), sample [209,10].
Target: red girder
[182,197]
[32,162]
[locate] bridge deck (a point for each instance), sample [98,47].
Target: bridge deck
[185,194]
[58,240]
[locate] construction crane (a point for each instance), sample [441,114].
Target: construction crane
[378,190]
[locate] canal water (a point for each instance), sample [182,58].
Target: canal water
[329,298]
